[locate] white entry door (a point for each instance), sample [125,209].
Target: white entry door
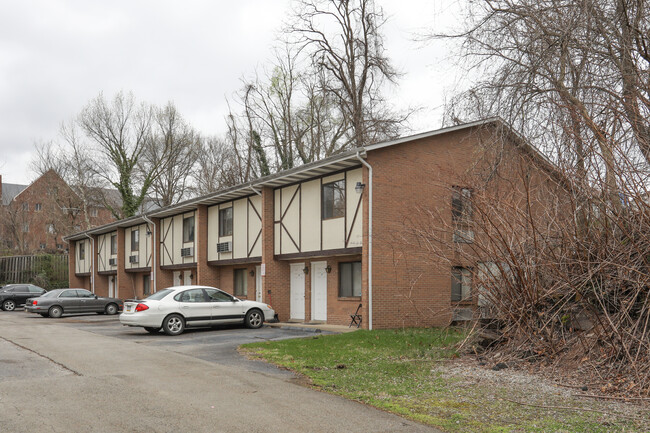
[258,283]
[319,291]
[111,287]
[177,278]
[297,301]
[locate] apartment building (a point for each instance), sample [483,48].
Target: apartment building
[318,240]
[35,218]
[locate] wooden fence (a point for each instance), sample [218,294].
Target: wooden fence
[46,270]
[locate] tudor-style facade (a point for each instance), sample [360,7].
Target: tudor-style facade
[315,241]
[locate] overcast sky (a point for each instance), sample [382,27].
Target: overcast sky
[56,55]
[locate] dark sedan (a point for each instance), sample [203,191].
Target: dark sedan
[55,303]
[15,295]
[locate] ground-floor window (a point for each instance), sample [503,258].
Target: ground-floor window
[461,284]
[146,284]
[349,279]
[241,282]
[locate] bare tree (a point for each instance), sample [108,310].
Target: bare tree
[344,40]
[171,153]
[216,167]
[120,130]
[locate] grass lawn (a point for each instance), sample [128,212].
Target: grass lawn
[405,371]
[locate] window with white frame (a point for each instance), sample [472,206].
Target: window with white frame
[135,239]
[461,215]
[113,245]
[82,250]
[38,207]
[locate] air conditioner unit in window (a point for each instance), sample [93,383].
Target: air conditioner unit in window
[112,262]
[187,252]
[133,259]
[224,247]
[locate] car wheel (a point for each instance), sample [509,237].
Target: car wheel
[254,319]
[173,325]
[55,312]
[152,330]
[9,305]
[111,309]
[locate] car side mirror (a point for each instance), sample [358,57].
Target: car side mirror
[235,299]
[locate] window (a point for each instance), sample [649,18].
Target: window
[461,215]
[26,228]
[333,199]
[461,204]
[50,228]
[192,295]
[82,250]
[113,245]
[241,282]
[25,206]
[188,229]
[225,222]
[68,294]
[218,296]
[42,246]
[349,279]
[38,207]
[135,239]
[33,289]
[84,294]
[146,284]
[461,284]
[59,246]
[93,212]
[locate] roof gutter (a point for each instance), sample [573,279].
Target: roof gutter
[369,167]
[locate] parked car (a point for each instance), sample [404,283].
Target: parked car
[15,295]
[175,308]
[57,302]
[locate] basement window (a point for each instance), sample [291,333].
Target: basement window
[349,279]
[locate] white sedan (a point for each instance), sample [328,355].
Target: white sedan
[175,308]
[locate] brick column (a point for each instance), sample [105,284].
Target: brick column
[276,281]
[73,279]
[205,274]
[364,254]
[163,277]
[123,283]
[95,264]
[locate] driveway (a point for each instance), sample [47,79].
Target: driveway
[218,344]
[91,375]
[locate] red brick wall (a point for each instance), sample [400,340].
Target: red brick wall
[276,280]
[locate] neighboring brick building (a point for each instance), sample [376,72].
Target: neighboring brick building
[36,217]
[307,241]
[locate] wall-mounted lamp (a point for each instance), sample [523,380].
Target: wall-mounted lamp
[191,276]
[305,270]
[359,187]
[328,269]
[252,273]
[148,232]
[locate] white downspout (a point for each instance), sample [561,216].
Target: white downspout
[153,252]
[92,262]
[363,161]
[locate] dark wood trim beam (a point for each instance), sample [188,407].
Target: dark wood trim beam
[235,261]
[179,266]
[321,253]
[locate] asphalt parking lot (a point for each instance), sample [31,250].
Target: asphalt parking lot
[217,344]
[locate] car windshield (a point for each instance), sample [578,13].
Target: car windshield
[159,295]
[49,294]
